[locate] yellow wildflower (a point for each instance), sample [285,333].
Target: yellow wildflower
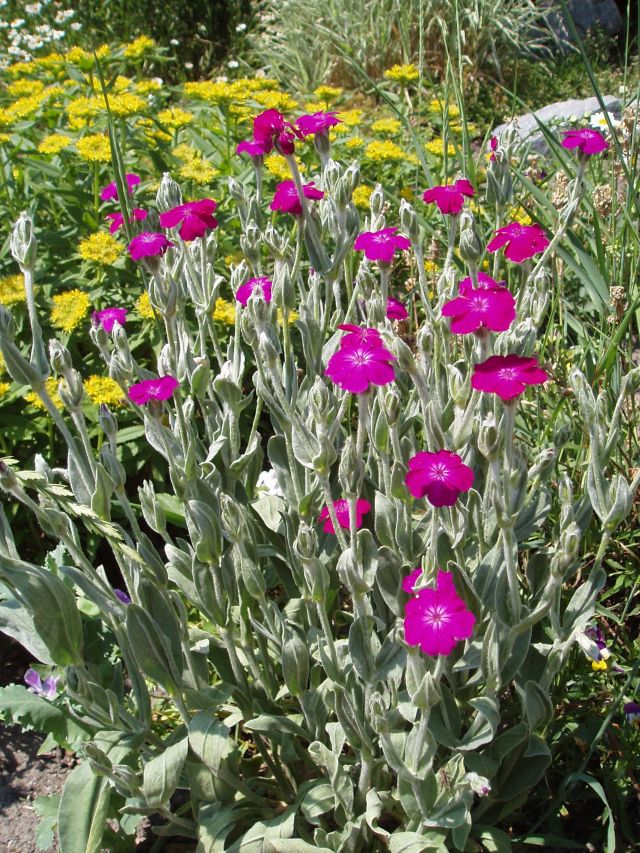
[126,104]
[316,106]
[5,119]
[293,316]
[121,83]
[51,387]
[386,125]
[406,193]
[186,153]
[19,88]
[350,117]
[138,47]
[402,73]
[69,309]
[242,113]
[24,107]
[198,171]
[103,389]
[519,214]
[52,61]
[224,312]
[175,117]
[215,93]
[430,267]
[276,165]
[354,142]
[599,665]
[12,289]
[143,306]
[4,387]
[55,91]
[94,148]
[54,143]
[328,93]
[436,146]
[361,196]
[82,111]
[385,151]
[146,87]
[19,68]
[4,137]
[101,248]
[275,101]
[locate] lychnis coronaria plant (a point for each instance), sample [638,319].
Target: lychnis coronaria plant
[336,622]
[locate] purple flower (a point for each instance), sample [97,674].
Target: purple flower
[449,198]
[359,335]
[490,305]
[122,596]
[261,284]
[411,579]
[148,244]
[342,513]
[270,128]
[356,366]
[253,149]
[196,218]
[47,688]
[111,191]
[381,245]
[522,241]
[319,122]
[437,619]
[440,477]
[507,375]
[107,317]
[587,141]
[161,388]
[396,310]
[632,713]
[117,219]
[286,197]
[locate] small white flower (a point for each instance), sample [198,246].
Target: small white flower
[174,42]
[157,80]
[268,482]
[599,121]
[241,28]
[75,26]
[233,64]
[17,23]
[189,66]
[33,8]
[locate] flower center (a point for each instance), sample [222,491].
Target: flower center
[440,471]
[507,373]
[438,615]
[480,303]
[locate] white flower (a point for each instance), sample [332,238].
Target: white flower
[233,64]
[268,482]
[188,66]
[480,785]
[33,8]
[76,25]
[64,15]
[174,42]
[241,28]
[17,23]
[599,121]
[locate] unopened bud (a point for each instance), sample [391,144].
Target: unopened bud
[23,242]
[471,244]
[169,194]
[71,389]
[108,422]
[151,510]
[376,201]
[351,470]
[60,357]
[409,221]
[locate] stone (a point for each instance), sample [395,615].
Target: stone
[587,15]
[558,116]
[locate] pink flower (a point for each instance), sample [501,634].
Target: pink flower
[441,477]
[253,149]
[148,244]
[342,512]
[111,191]
[286,197]
[490,305]
[493,144]
[196,218]
[586,140]
[507,375]
[449,198]
[317,123]
[359,335]
[107,317]
[411,579]
[117,219]
[381,245]
[47,688]
[356,366]
[396,310]
[161,388]
[270,128]
[437,619]
[262,284]
[522,241]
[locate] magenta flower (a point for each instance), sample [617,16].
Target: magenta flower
[342,512]
[381,245]
[122,596]
[317,123]
[148,244]
[490,306]
[111,191]
[253,149]
[409,582]
[437,619]
[359,335]
[161,388]
[262,284]
[117,219]
[493,144]
[396,310]
[449,198]
[270,128]
[356,366]
[47,688]
[107,317]
[440,476]
[507,375]
[588,141]
[286,197]
[196,218]
[522,241]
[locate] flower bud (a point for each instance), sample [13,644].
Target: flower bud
[392,403]
[331,174]
[471,244]
[163,297]
[275,242]
[60,357]
[7,325]
[621,500]
[113,468]
[351,470]
[165,361]
[17,366]
[119,371]
[349,180]
[108,422]
[376,201]
[151,510]
[200,377]
[237,192]
[306,542]
[169,194]
[250,242]
[23,242]
[233,521]
[319,401]
[204,531]
[295,658]
[267,352]
[409,221]
[283,293]
[584,395]
[499,182]
[71,390]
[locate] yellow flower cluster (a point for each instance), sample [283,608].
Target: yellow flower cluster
[436,146]
[21,87]
[81,57]
[22,108]
[143,306]
[275,101]
[175,117]
[138,47]
[519,214]
[387,125]
[350,118]
[101,247]
[126,104]
[438,106]
[82,111]
[103,389]
[51,387]
[354,142]
[69,309]
[216,93]
[94,148]
[4,387]
[224,312]
[146,87]
[361,196]
[293,316]
[327,93]
[402,73]
[54,143]
[385,152]
[276,165]
[12,289]
[194,168]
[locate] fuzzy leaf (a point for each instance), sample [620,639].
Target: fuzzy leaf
[162,773]
[19,705]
